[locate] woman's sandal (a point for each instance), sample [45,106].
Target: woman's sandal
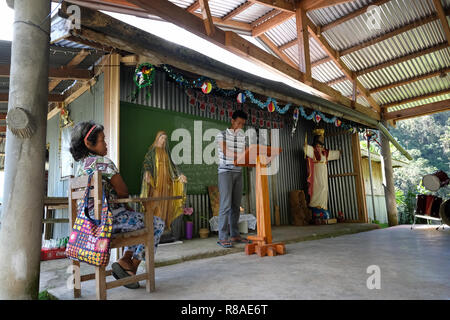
[225,244]
[120,273]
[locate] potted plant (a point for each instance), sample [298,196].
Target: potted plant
[204,232]
[189,225]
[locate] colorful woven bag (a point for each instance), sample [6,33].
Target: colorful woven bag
[90,240]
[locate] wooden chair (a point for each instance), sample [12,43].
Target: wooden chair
[77,187]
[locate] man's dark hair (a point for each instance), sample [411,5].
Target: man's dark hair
[316,140]
[78,149]
[239,114]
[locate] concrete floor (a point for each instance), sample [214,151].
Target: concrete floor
[413,264]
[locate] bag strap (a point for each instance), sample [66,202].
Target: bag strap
[86,198]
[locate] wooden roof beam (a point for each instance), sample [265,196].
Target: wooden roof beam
[352,15]
[304,54]
[334,55]
[410,80]
[443,17]
[238,10]
[56,73]
[275,50]
[414,99]
[419,111]
[282,5]
[194,7]
[407,57]
[72,64]
[207,18]
[120,35]
[271,23]
[4,97]
[319,4]
[265,17]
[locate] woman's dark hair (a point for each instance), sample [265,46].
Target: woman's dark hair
[78,149]
[239,114]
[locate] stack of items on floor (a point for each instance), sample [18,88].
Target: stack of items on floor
[54,249]
[302,214]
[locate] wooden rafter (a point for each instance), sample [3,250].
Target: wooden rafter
[265,17]
[106,33]
[410,80]
[391,34]
[443,17]
[207,17]
[419,111]
[238,10]
[56,73]
[72,64]
[272,23]
[414,99]
[51,97]
[404,58]
[282,5]
[194,7]
[319,4]
[334,55]
[303,43]
[352,15]
[275,50]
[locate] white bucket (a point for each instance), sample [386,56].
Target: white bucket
[243,227]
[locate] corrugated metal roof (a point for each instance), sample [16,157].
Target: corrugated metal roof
[390,16]
[252,13]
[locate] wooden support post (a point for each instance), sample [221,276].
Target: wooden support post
[303,43]
[207,18]
[389,189]
[112,106]
[359,179]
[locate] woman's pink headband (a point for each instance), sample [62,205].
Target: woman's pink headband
[85,138]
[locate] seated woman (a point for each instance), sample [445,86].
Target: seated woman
[88,146]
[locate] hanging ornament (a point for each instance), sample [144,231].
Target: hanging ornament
[271,107]
[221,111]
[253,119]
[212,108]
[206,87]
[317,118]
[143,77]
[295,116]
[261,122]
[268,124]
[338,123]
[230,112]
[240,98]
[281,124]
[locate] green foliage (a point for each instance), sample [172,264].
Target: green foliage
[427,139]
[45,295]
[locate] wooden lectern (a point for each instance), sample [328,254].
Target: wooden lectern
[260,156]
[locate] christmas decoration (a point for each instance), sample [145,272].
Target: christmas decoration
[143,77]
[206,87]
[241,98]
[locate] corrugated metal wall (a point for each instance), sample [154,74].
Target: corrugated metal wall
[166,94]
[89,106]
[342,190]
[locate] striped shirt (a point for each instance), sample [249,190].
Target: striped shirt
[233,142]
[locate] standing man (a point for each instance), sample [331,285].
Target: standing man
[231,143]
